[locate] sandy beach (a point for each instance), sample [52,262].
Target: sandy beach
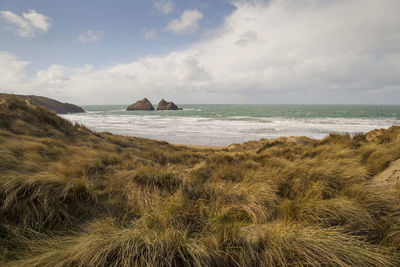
[202,146]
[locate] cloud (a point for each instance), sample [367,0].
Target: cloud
[12,71]
[90,36]
[56,74]
[150,34]
[291,51]
[246,38]
[164,6]
[30,24]
[188,23]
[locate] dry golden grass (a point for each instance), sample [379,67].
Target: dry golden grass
[73,197]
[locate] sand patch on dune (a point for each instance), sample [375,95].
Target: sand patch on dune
[388,178]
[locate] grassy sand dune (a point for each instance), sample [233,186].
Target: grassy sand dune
[73,197]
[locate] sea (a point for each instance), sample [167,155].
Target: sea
[221,125]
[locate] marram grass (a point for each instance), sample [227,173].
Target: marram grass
[73,197]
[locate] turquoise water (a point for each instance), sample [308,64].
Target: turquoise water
[227,124]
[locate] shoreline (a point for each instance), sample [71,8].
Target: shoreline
[201,146]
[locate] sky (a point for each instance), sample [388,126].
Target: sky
[202,51]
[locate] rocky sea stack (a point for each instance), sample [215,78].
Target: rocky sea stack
[143,104]
[164,105]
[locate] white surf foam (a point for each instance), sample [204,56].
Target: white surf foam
[210,131]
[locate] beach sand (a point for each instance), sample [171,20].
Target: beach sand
[202,146]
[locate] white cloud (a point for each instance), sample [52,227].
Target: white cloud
[56,74]
[188,23]
[150,34]
[90,36]
[30,24]
[164,6]
[297,51]
[12,71]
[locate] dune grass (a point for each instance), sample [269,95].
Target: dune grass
[73,197]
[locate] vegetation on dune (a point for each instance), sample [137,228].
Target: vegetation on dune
[73,197]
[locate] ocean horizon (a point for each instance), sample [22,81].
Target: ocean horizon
[225,124]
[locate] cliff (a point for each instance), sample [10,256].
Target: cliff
[52,104]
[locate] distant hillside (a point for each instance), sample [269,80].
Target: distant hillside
[52,104]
